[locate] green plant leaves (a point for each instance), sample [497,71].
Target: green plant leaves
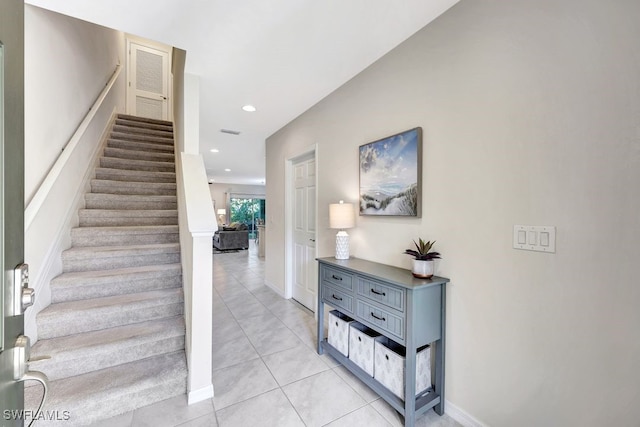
[423,250]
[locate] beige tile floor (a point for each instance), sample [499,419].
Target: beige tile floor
[266,371]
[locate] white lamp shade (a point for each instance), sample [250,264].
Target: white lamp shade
[341,215]
[222,211]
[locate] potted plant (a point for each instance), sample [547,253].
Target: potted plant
[423,262]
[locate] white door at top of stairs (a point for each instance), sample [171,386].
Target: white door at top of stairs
[148,88]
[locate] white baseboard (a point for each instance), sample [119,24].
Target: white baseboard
[51,268]
[199,395]
[275,288]
[461,416]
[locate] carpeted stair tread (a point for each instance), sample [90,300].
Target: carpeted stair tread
[118,128]
[138,119]
[121,153]
[139,146]
[114,217]
[94,251]
[144,125]
[89,258]
[127,201]
[126,187]
[141,137]
[74,317]
[140,165]
[78,285]
[131,234]
[108,392]
[81,353]
[135,176]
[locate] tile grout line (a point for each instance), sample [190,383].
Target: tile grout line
[280,387]
[307,312]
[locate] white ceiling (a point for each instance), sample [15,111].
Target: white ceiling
[282,56]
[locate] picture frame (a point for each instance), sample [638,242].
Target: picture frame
[391,175]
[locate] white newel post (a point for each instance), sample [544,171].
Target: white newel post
[197,226]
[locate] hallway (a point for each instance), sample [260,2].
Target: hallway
[266,371]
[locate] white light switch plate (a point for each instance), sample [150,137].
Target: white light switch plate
[541,238]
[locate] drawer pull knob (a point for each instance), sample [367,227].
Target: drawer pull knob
[379,318]
[335,297]
[336,277]
[378,293]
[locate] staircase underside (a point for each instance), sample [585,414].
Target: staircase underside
[113,338]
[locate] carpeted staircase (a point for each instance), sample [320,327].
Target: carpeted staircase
[115,329]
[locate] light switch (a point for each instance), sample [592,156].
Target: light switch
[544,238]
[540,238]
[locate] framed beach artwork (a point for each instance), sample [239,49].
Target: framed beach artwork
[391,175]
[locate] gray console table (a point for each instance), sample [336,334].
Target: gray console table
[392,302]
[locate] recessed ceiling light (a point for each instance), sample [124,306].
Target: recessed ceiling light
[227,170]
[249,108]
[214,150]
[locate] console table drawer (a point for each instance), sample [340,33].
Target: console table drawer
[387,295]
[337,277]
[337,298]
[381,318]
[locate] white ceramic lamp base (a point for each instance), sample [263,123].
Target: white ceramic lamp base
[342,245]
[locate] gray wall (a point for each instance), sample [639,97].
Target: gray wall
[531,115]
[67,64]
[178,60]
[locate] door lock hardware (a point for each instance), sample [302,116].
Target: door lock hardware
[22,373]
[24,296]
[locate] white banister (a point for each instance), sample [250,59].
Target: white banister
[36,202]
[197,226]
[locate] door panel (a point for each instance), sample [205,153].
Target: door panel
[12,195]
[311,209]
[299,211]
[148,82]
[305,281]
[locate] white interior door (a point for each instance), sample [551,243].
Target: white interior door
[305,277]
[148,94]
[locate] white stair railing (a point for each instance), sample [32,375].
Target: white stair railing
[43,191]
[52,211]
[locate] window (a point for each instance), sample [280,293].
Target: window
[250,211]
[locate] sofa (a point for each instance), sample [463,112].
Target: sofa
[233,236]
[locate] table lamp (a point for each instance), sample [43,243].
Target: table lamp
[221,214]
[341,216]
